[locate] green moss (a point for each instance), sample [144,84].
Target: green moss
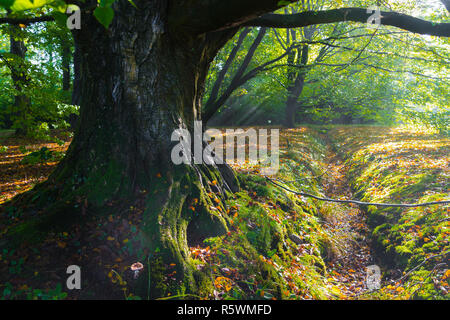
[402,237]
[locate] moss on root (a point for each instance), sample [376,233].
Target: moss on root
[173,203]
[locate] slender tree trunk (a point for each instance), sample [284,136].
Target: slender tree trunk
[66,58]
[295,90]
[291,99]
[139,83]
[22,103]
[76,94]
[76,88]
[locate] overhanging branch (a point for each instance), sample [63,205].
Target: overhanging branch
[308,18]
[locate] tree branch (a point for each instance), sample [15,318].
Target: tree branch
[228,63]
[213,105]
[308,18]
[26,21]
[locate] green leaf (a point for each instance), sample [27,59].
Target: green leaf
[60,18]
[6,3]
[20,5]
[106,3]
[104,15]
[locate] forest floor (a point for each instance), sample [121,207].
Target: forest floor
[348,269]
[316,250]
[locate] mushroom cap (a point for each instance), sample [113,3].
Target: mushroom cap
[137,266]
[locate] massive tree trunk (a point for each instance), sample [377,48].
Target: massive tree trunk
[140,82]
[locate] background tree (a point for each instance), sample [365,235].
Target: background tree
[34,59]
[342,56]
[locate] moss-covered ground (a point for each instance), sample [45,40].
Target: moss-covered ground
[279,245]
[402,165]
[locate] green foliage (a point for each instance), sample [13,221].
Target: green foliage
[42,156]
[351,80]
[47,107]
[104,15]
[9,293]
[437,119]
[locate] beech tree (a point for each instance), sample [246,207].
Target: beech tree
[142,73]
[20,77]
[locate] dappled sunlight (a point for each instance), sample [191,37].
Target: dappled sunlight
[403,165]
[318,236]
[16,176]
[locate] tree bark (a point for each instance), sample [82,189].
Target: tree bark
[66,56]
[76,88]
[140,81]
[76,94]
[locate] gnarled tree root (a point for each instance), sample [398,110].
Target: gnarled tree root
[176,209]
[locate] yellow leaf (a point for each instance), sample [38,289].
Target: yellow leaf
[447,274]
[335,290]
